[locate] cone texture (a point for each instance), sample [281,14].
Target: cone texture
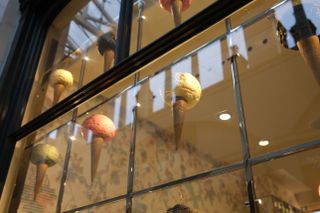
[176,9]
[309,49]
[41,172]
[96,147]
[58,90]
[108,59]
[179,110]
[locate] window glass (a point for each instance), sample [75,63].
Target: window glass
[279,75]
[289,184]
[160,16]
[222,193]
[80,46]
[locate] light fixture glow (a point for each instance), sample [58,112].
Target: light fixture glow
[143,17]
[225,116]
[264,143]
[73,138]
[86,58]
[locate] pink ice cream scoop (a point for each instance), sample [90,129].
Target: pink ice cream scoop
[166,4]
[100,126]
[103,130]
[176,7]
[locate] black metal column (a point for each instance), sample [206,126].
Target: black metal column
[124,31]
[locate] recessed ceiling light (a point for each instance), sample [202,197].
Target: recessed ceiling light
[224,116]
[73,138]
[264,143]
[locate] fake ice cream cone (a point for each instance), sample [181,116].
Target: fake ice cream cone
[187,92]
[108,59]
[43,156]
[41,172]
[103,130]
[309,49]
[58,89]
[60,80]
[106,48]
[176,7]
[304,35]
[96,147]
[179,111]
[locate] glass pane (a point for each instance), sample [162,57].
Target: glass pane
[289,184]
[98,146]
[9,19]
[80,46]
[223,193]
[160,16]
[182,129]
[280,76]
[115,207]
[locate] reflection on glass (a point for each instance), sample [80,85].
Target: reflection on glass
[160,16]
[289,184]
[280,93]
[80,46]
[210,65]
[223,193]
[179,132]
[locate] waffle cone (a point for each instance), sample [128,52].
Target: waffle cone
[58,90]
[108,59]
[96,147]
[179,111]
[176,9]
[309,49]
[41,172]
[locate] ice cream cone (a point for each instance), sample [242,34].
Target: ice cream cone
[176,8]
[108,59]
[179,110]
[309,49]
[96,147]
[58,90]
[41,172]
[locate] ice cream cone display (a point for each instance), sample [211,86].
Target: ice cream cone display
[304,34]
[176,7]
[43,156]
[106,47]
[60,80]
[187,94]
[102,130]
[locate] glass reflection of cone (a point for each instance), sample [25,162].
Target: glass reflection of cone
[179,111]
[58,89]
[96,147]
[176,8]
[41,172]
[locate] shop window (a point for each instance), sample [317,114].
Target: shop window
[289,184]
[279,79]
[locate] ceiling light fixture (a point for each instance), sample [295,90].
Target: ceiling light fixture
[264,143]
[224,116]
[86,58]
